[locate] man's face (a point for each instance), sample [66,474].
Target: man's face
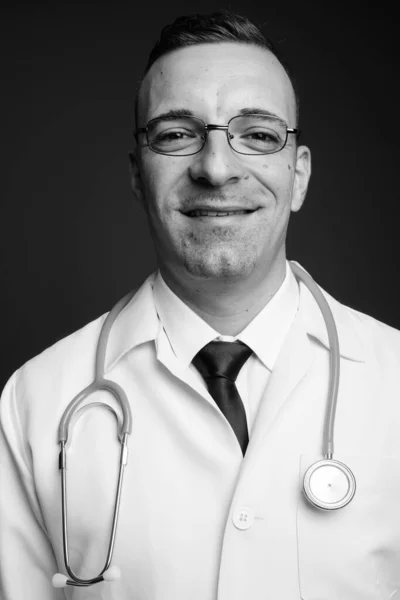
[215,82]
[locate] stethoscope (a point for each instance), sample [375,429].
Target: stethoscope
[328,484]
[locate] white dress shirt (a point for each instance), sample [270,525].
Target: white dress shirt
[183,333]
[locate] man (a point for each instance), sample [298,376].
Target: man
[225,360]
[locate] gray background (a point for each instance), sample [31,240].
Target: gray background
[72,238]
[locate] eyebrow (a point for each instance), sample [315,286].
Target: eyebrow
[185,112]
[259,111]
[175,112]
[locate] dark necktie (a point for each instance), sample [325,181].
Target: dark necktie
[220,363]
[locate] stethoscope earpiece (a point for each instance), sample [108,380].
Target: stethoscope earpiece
[111,574]
[59,580]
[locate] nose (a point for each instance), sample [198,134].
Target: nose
[217,164]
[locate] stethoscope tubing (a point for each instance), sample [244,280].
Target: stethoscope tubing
[122,463]
[334,358]
[100,383]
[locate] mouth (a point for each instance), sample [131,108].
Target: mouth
[215,213]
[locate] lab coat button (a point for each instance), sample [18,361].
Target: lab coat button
[243,517]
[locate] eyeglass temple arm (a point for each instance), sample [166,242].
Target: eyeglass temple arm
[139,130]
[296,131]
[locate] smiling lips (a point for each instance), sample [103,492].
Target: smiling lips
[214,213]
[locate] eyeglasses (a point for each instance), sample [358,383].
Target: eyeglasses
[186,135]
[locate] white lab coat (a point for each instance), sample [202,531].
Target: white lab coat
[197,522]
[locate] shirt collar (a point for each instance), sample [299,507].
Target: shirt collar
[187,333]
[138,323]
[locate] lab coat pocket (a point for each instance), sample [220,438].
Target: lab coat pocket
[353,553]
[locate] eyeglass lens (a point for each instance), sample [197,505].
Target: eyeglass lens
[247,134]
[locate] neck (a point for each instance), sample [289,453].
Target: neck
[227,306]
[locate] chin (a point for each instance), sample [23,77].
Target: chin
[218,265]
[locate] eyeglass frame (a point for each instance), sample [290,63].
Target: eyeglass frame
[212,126]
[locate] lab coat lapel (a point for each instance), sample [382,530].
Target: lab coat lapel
[298,354]
[169,360]
[293,363]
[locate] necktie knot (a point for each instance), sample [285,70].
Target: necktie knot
[222,359]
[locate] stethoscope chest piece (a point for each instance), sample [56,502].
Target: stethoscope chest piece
[329,484]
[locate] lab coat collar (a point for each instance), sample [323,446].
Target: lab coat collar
[138,323]
[351,345]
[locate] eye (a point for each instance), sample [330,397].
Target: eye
[171,135]
[257,138]
[262,135]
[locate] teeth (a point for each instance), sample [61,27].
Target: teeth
[214,213]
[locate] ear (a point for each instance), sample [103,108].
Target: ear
[302,176]
[136,181]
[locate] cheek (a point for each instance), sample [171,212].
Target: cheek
[277,177]
[161,176]
[155,183]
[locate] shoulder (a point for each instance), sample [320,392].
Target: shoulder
[76,352]
[53,368]
[377,339]
[361,337]
[36,394]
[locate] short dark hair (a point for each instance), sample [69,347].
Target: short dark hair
[214,28]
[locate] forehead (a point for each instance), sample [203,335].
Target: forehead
[215,81]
